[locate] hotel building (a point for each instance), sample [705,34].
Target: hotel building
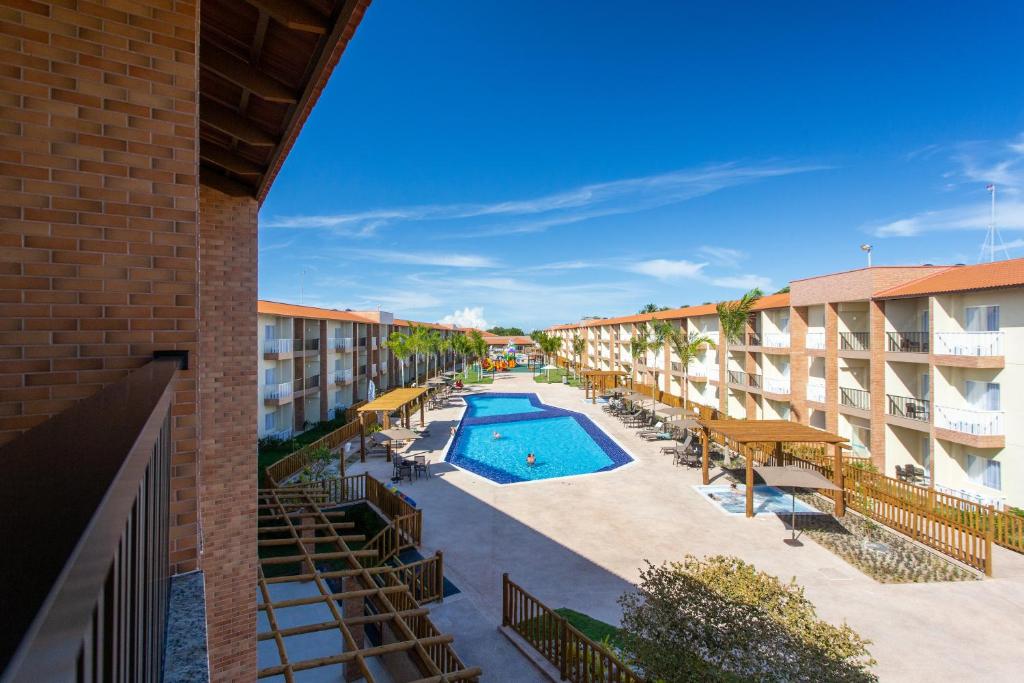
[921,368]
[316,362]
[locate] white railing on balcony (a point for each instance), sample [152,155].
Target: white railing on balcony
[341,343]
[777,385]
[281,434]
[340,377]
[373,369]
[816,390]
[698,370]
[815,340]
[998,502]
[969,343]
[775,340]
[373,344]
[276,392]
[970,421]
[277,346]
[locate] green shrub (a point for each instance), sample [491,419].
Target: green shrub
[719,619]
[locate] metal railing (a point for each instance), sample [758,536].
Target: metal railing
[815,340]
[777,340]
[969,343]
[816,390]
[776,385]
[312,344]
[907,342]
[855,398]
[854,341]
[307,383]
[277,346]
[92,604]
[277,392]
[748,379]
[340,377]
[753,339]
[907,406]
[970,421]
[341,343]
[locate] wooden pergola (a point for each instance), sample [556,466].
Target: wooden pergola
[604,377]
[746,433]
[308,566]
[392,401]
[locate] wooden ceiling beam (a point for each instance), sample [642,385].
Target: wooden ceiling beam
[218,181]
[234,124]
[244,75]
[229,161]
[293,14]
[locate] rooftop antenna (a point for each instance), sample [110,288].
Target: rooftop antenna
[993,240]
[867,248]
[302,281]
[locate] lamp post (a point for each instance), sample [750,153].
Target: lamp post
[867,248]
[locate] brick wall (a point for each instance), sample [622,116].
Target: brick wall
[832,368]
[227,442]
[876,379]
[98,158]
[798,361]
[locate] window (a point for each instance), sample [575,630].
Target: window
[337,399]
[985,472]
[926,455]
[981,318]
[337,365]
[982,395]
[925,386]
[268,376]
[784,324]
[268,331]
[268,422]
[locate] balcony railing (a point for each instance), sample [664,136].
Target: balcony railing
[753,339]
[373,343]
[913,408]
[748,379]
[373,370]
[855,398]
[777,340]
[854,341]
[307,383]
[970,421]
[88,598]
[340,377]
[362,371]
[969,343]
[277,346]
[698,370]
[907,342]
[341,343]
[312,344]
[276,392]
[815,340]
[279,434]
[776,385]
[362,342]
[816,390]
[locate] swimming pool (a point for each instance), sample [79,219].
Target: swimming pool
[766,499]
[564,443]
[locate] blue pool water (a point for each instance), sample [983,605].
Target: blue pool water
[489,406]
[766,499]
[565,443]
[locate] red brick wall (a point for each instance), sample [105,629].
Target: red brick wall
[798,361]
[98,158]
[876,322]
[832,368]
[227,428]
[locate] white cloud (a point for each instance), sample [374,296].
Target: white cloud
[467,317]
[665,269]
[743,282]
[975,216]
[448,260]
[722,256]
[560,208]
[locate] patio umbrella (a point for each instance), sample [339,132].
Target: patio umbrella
[435,381]
[794,478]
[394,434]
[549,368]
[672,412]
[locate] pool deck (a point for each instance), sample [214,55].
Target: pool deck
[579,542]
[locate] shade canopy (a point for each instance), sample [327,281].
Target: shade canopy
[549,367]
[673,412]
[393,400]
[794,477]
[450,373]
[763,431]
[435,380]
[398,434]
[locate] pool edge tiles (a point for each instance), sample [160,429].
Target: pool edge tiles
[612,449]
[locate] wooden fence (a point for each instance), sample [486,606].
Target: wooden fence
[578,658]
[406,519]
[424,578]
[294,462]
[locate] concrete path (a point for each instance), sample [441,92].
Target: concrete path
[579,542]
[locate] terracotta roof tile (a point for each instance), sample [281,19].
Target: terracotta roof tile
[296,311]
[962,278]
[764,303]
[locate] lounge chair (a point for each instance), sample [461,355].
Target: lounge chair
[658,428]
[656,436]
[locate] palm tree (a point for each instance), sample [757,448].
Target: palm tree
[638,347]
[550,345]
[732,322]
[461,346]
[687,347]
[399,346]
[433,347]
[478,347]
[418,346]
[660,330]
[578,347]
[445,347]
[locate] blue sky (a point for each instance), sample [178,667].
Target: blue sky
[531,163]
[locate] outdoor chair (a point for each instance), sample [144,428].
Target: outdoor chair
[658,428]
[420,466]
[403,470]
[901,473]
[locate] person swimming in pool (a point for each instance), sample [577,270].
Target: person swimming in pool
[531,460]
[496,435]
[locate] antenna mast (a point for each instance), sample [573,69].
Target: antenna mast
[993,240]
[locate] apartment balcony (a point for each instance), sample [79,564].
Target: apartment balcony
[744,380]
[815,341]
[341,344]
[857,399]
[362,342]
[713,336]
[970,427]
[816,390]
[341,377]
[698,372]
[777,385]
[277,349]
[906,342]
[854,341]
[776,340]
[312,344]
[279,434]
[753,339]
[373,343]
[307,385]
[969,349]
[908,411]
[373,370]
[277,394]
[362,371]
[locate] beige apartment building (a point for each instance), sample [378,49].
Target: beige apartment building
[316,362]
[920,367]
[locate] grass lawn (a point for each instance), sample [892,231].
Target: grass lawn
[474,376]
[590,627]
[555,377]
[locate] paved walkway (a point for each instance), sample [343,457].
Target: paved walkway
[579,542]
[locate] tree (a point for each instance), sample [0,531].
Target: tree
[720,619]
[478,347]
[638,346]
[418,346]
[507,331]
[579,345]
[784,290]
[687,347]
[549,345]
[660,330]
[461,347]
[432,342]
[445,347]
[652,308]
[400,348]
[732,321]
